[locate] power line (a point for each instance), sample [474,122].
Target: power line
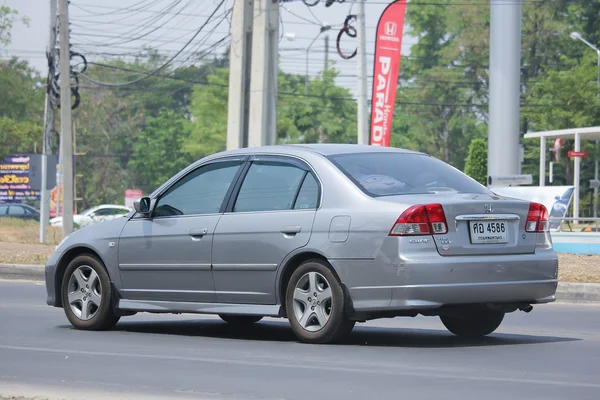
[157,70]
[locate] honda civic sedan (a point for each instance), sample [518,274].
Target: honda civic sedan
[323,235]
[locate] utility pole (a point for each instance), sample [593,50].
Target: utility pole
[240,61]
[363,121]
[505,94]
[48,128]
[326,54]
[66,134]
[263,81]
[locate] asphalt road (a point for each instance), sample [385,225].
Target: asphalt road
[551,353]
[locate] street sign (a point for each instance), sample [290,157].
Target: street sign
[131,195]
[594,183]
[510,180]
[582,154]
[35,171]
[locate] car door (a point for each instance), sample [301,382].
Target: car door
[271,215]
[167,256]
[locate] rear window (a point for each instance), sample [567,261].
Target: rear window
[389,174]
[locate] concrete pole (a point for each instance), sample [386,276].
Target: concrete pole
[326,65]
[263,81]
[596,155]
[48,128]
[576,178]
[363,118]
[240,61]
[505,65]
[543,161]
[66,134]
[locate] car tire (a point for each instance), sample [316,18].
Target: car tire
[240,319]
[85,284]
[317,319]
[474,324]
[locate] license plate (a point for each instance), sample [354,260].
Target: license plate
[486,232]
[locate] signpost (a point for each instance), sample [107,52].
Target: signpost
[35,170]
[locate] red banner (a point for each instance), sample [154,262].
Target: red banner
[388,44]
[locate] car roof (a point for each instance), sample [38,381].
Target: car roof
[325,149]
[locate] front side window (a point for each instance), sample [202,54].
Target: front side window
[389,174]
[270,186]
[15,210]
[199,192]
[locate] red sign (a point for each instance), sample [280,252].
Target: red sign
[131,195]
[582,154]
[388,44]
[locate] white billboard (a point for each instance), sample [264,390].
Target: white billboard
[557,199]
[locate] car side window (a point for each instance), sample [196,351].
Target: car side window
[15,210]
[199,192]
[102,212]
[308,197]
[269,186]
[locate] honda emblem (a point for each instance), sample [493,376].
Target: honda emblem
[489,208]
[390,28]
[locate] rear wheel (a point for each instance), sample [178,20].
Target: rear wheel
[87,295]
[473,324]
[240,319]
[315,304]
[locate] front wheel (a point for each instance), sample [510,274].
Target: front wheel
[473,324]
[87,296]
[315,304]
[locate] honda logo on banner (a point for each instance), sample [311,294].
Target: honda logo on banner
[390,28]
[388,45]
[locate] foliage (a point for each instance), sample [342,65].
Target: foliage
[21,107]
[476,162]
[325,115]
[157,151]
[7,20]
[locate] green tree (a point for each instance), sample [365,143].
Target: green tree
[21,107]
[476,162]
[7,20]
[328,114]
[157,151]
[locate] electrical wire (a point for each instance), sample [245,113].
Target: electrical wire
[162,67]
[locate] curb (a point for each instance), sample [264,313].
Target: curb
[22,271]
[566,291]
[578,292]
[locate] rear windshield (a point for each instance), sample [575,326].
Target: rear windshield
[389,174]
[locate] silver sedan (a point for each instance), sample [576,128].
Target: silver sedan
[323,235]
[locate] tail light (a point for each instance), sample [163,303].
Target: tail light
[418,220]
[537,218]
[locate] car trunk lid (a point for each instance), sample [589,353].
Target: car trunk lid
[478,224]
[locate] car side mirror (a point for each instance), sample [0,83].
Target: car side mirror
[142,206]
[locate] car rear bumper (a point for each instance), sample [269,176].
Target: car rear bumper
[433,281]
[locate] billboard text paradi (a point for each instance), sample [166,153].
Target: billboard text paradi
[388,45]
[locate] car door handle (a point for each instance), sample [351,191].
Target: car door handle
[291,229]
[197,234]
